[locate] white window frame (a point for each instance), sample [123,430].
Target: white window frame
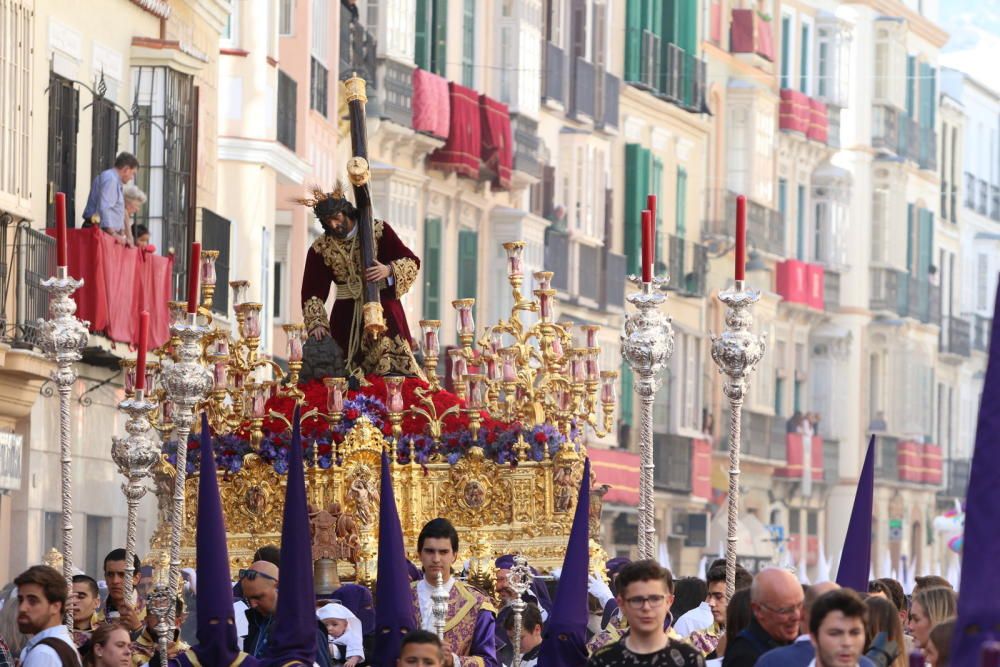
[290,4]
[283,259]
[16,46]
[807,23]
[319,33]
[231,37]
[792,42]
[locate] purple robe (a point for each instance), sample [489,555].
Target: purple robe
[470,631]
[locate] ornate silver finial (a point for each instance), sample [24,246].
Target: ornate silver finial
[439,608]
[520,581]
[736,351]
[647,345]
[63,337]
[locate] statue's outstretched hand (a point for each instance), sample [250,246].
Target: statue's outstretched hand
[318,333]
[377,271]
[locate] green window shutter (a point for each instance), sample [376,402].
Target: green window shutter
[682,181]
[431,268]
[786,46]
[469,44]
[439,41]
[800,224]
[804,61]
[687,34]
[656,187]
[626,395]
[468,267]
[932,81]
[637,175]
[782,198]
[926,243]
[911,66]
[926,95]
[422,54]
[633,40]
[653,18]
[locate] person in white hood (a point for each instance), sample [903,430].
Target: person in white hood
[344,629]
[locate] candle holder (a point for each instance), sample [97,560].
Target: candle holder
[465,322]
[128,376]
[545,297]
[335,389]
[476,401]
[430,347]
[208,259]
[439,606]
[647,345]
[544,279]
[737,351]
[239,288]
[135,455]
[63,335]
[459,369]
[519,581]
[394,403]
[186,382]
[296,335]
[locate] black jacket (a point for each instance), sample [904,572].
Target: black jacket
[749,645]
[258,633]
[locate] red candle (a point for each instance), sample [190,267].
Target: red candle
[61,229]
[193,274]
[140,357]
[741,236]
[647,246]
[651,205]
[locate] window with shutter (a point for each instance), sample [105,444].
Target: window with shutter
[439,37]
[468,265]
[633,40]
[469,44]
[805,59]
[627,395]
[286,110]
[656,187]
[637,177]
[215,236]
[681,205]
[800,223]
[105,136]
[282,237]
[786,51]
[317,86]
[422,34]
[880,210]
[911,84]
[64,120]
[286,17]
[430,266]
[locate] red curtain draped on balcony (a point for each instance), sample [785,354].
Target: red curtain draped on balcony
[431,108]
[461,152]
[498,155]
[119,283]
[819,121]
[620,471]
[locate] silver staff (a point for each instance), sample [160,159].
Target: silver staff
[439,608]
[187,382]
[647,345]
[520,581]
[63,336]
[737,351]
[162,604]
[135,455]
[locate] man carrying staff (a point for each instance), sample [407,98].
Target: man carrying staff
[334,260]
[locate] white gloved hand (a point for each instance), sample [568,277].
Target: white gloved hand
[556,573]
[599,589]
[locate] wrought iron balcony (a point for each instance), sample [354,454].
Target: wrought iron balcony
[557,257]
[956,336]
[613,280]
[899,293]
[649,58]
[765,229]
[588,284]
[526,143]
[887,458]
[927,158]
[687,265]
[831,290]
[982,200]
[673,462]
[27,258]
[885,127]
[683,80]
[957,478]
[554,84]
[608,92]
[995,203]
[970,191]
[357,50]
[582,89]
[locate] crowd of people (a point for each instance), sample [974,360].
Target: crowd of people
[642,617]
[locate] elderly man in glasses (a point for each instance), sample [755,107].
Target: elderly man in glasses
[645,593]
[260,593]
[776,601]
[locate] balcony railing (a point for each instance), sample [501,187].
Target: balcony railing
[970,191]
[554,85]
[899,293]
[982,201]
[885,128]
[609,90]
[887,458]
[765,229]
[687,265]
[673,462]
[27,259]
[995,203]
[683,80]
[750,33]
[582,87]
[831,290]
[588,285]
[981,331]
[526,144]
[557,258]
[927,158]
[613,280]
[763,436]
[908,147]
[357,49]
[649,59]
[956,336]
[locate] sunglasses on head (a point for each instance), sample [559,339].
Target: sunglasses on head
[252,574]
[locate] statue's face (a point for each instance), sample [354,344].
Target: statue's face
[339,225]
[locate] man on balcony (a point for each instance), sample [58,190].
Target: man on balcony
[335,259]
[106,202]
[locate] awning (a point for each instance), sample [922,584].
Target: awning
[619,470]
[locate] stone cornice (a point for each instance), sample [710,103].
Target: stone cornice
[291,169]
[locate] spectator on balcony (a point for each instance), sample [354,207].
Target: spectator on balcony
[106,203]
[814,418]
[141,235]
[134,199]
[793,423]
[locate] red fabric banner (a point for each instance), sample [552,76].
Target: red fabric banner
[461,152]
[431,108]
[498,146]
[619,470]
[119,283]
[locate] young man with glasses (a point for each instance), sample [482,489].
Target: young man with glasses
[776,600]
[645,593]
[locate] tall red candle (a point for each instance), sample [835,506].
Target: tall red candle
[647,246]
[651,205]
[194,271]
[61,229]
[741,236]
[140,357]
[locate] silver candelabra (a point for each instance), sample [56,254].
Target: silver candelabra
[647,345]
[135,455]
[63,336]
[520,582]
[737,351]
[186,382]
[163,604]
[439,606]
